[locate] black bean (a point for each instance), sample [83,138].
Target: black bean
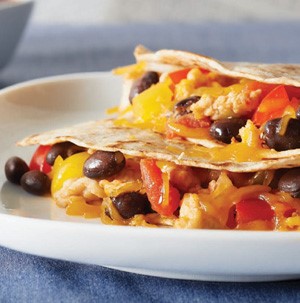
[36,182]
[103,164]
[289,140]
[15,168]
[183,106]
[277,176]
[225,129]
[143,83]
[130,204]
[290,182]
[298,113]
[63,149]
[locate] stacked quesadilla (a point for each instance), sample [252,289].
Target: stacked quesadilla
[195,143]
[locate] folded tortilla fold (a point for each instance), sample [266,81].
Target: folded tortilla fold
[287,74]
[166,60]
[105,135]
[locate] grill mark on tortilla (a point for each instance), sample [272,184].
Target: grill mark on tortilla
[288,74]
[153,145]
[104,135]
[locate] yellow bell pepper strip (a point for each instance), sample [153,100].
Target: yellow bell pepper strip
[78,207]
[151,106]
[71,167]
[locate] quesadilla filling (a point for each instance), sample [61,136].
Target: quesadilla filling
[132,191]
[232,124]
[212,109]
[147,192]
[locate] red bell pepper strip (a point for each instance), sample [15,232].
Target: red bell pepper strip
[293,91]
[178,75]
[38,160]
[253,209]
[272,106]
[153,182]
[249,210]
[264,87]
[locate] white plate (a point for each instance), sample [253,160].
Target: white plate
[35,225]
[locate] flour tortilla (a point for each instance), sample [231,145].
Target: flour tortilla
[165,61]
[287,74]
[104,135]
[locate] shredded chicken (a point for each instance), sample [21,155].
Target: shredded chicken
[231,105]
[127,180]
[131,172]
[190,215]
[87,188]
[116,187]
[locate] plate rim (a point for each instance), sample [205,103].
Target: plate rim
[164,231]
[57,78]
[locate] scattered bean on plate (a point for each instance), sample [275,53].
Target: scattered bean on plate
[15,168]
[35,182]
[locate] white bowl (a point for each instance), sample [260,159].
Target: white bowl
[13,19]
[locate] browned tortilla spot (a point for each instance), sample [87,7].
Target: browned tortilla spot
[102,135]
[288,74]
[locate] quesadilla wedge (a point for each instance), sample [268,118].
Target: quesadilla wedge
[195,143]
[106,135]
[208,102]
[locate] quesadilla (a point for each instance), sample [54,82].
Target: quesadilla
[195,143]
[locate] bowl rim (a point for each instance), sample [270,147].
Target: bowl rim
[7,4]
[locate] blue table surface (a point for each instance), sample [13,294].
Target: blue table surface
[47,50]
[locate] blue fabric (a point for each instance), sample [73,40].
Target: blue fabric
[25,278]
[50,50]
